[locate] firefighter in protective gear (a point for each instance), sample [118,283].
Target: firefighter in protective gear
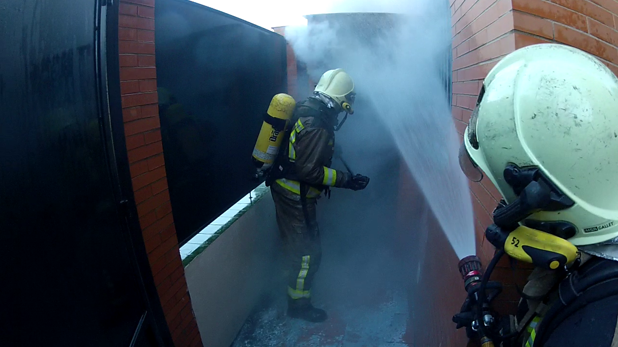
[300,175]
[548,113]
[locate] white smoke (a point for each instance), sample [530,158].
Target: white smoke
[400,69]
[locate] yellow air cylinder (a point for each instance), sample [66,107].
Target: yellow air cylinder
[269,140]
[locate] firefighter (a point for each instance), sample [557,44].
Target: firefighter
[545,132]
[300,175]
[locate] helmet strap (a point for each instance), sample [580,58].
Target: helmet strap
[342,121]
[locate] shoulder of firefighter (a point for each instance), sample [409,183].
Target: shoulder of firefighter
[310,150]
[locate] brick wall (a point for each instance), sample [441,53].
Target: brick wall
[486,30]
[589,25]
[145,151]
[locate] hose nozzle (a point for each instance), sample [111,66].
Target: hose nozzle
[471,271]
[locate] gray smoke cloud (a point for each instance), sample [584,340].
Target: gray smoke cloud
[399,63]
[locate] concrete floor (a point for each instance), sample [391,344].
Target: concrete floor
[381,322]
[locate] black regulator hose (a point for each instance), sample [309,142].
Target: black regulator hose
[481,298]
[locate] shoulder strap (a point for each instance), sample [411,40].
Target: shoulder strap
[596,280]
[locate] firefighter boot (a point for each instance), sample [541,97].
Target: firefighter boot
[302,309]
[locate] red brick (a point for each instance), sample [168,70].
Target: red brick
[465,116]
[146,177]
[159,186]
[523,40]
[469,88]
[610,5]
[152,242]
[603,32]
[167,271]
[585,42]
[147,12]
[466,101]
[127,60]
[138,169]
[175,322]
[551,11]
[533,25]
[589,9]
[125,21]
[141,126]
[128,87]
[164,209]
[145,152]
[148,86]
[139,99]
[456,111]
[146,36]
[477,72]
[147,220]
[127,9]
[153,203]
[186,322]
[135,141]
[176,276]
[462,23]
[156,267]
[143,194]
[494,31]
[158,227]
[165,235]
[137,73]
[482,14]
[187,311]
[156,162]
[149,3]
[150,110]
[489,186]
[127,34]
[130,114]
[165,285]
[152,136]
[615,22]
[480,213]
[146,61]
[172,293]
[133,47]
[197,341]
[166,246]
[488,202]
[493,50]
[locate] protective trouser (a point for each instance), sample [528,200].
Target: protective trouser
[301,242]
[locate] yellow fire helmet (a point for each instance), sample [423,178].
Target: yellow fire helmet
[552,110]
[338,85]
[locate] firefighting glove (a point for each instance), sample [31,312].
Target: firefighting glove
[357,182]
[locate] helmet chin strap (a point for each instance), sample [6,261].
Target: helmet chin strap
[342,121]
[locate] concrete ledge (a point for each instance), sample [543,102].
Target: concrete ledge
[227,279]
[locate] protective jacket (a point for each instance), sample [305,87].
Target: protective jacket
[579,309]
[310,150]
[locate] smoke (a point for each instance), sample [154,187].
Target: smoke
[400,63]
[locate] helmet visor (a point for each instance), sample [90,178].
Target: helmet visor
[468,166]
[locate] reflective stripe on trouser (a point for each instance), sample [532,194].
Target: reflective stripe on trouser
[301,243]
[294,187]
[299,291]
[532,331]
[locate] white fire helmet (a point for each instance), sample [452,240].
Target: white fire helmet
[338,85]
[553,108]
